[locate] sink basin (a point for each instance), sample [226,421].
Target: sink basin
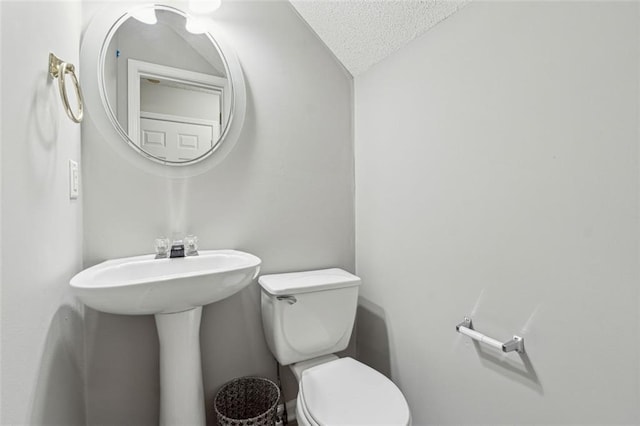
[174,291]
[145,285]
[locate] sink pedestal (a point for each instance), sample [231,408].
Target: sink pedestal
[181,391]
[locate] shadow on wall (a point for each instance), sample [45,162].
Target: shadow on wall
[123,385]
[43,131]
[521,372]
[59,390]
[372,337]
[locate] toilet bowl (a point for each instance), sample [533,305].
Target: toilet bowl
[347,392]
[307,316]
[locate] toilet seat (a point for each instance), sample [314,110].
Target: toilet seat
[303,418]
[347,392]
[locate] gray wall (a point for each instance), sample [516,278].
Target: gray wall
[41,323]
[497,176]
[285,193]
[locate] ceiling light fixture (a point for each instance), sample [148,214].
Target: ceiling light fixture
[146,15]
[202,7]
[195,25]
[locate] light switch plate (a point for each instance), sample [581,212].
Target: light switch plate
[74,180]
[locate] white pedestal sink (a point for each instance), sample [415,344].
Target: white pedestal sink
[174,290]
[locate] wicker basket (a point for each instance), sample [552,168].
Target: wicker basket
[247,401]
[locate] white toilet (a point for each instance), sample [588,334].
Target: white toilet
[307,316]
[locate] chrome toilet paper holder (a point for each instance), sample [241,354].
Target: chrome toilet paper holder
[515,344]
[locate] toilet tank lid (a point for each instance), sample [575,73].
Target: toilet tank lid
[308,281]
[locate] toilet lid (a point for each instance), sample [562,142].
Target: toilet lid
[346,391]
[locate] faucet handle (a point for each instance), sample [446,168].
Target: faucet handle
[162,247]
[191,245]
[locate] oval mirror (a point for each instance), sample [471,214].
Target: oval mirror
[166,85]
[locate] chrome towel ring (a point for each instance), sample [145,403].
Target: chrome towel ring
[58,69]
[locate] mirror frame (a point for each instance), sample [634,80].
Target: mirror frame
[92,55]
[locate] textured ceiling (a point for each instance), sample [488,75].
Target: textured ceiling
[361,33]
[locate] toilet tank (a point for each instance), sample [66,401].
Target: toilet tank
[308,314]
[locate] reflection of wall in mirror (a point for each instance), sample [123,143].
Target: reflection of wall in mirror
[166,99]
[160,44]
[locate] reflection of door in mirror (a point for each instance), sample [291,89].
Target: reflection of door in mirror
[174,114]
[176,140]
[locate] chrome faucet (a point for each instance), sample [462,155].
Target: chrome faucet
[178,248]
